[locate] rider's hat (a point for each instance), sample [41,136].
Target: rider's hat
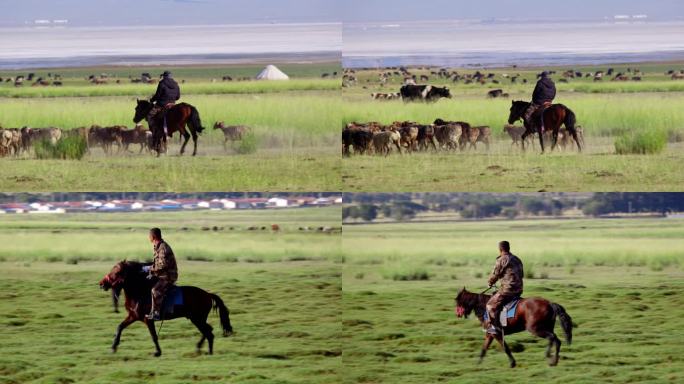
[544,73]
[165,74]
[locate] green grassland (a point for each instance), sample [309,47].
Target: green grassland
[620,280]
[604,109]
[294,124]
[283,291]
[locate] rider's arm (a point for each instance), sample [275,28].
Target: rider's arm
[499,268]
[160,260]
[158,93]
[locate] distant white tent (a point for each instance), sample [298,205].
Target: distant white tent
[271,72]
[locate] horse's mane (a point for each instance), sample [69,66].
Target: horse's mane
[134,276]
[474,301]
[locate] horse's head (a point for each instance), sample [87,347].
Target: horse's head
[518,108]
[142,109]
[465,303]
[116,276]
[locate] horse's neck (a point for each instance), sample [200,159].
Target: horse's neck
[480,306]
[135,291]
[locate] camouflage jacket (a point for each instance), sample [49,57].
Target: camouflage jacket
[509,272]
[164,265]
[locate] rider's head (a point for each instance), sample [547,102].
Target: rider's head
[504,247]
[166,74]
[544,74]
[155,235]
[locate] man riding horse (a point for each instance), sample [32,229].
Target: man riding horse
[164,269]
[166,96]
[543,95]
[508,270]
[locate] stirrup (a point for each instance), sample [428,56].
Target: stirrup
[153,316]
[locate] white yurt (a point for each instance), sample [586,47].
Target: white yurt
[271,72]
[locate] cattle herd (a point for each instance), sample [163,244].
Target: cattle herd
[15,141]
[407,136]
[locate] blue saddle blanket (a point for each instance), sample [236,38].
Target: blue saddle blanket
[508,308]
[173,297]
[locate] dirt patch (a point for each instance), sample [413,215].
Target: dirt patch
[26,179]
[605,174]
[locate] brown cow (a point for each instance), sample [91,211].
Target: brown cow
[231,132]
[105,137]
[137,135]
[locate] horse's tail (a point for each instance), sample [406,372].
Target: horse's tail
[570,119]
[195,120]
[223,315]
[565,321]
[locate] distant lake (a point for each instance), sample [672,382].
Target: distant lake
[32,47]
[495,44]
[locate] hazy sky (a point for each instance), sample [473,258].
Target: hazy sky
[401,10]
[187,12]
[169,12]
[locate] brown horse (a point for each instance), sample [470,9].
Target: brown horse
[177,117]
[554,116]
[536,315]
[197,304]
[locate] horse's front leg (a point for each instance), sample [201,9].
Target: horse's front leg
[541,139]
[153,333]
[501,341]
[488,341]
[524,138]
[117,338]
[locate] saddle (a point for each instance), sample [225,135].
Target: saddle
[538,115]
[506,312]
[172,299]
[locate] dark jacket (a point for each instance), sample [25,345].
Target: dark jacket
[167,92]
[544,91]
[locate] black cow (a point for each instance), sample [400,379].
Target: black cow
[423,92]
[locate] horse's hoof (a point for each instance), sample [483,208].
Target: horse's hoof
[113,350]
[512,364]
[228,333]
[157,354]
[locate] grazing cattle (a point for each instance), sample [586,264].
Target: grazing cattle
[423,92]
[358,136]
[515,132]
[5,142]
[409,136]
[105,137]
[231,132]
[447,134]
[137,135]
[57,83]
[620,77]
[426,134]
[275,227]
[383,141]
[677,76]
[494,93]
[29,136]
[227,78]
[385,96]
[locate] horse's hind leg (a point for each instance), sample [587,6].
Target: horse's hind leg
[153,333]
[553,339]
[194,142]
[485,346]
[207,333]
